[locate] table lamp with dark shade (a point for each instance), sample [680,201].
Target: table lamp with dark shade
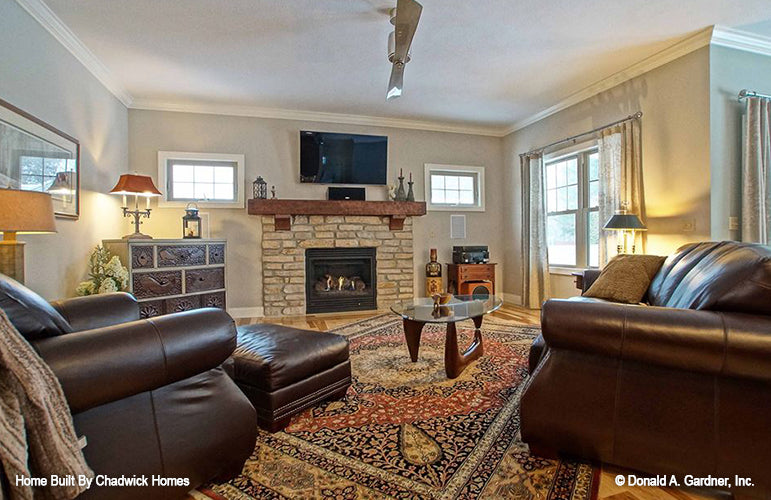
[138,185]
[626,224]
[25,212]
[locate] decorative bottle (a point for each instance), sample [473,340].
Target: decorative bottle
[433,275]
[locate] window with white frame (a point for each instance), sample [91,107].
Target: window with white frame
[572,205]
[454,187]
[209,179]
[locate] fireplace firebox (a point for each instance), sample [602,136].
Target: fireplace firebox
[340,279]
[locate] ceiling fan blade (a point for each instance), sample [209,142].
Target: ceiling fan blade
[396,82]
[407,18]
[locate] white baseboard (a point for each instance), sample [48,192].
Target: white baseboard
[512,299]
[246,312]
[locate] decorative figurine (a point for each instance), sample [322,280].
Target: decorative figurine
[400,196]
[259,188]
[410,194]
[433,276]
[273,192]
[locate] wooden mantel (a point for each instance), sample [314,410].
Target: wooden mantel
[283,210]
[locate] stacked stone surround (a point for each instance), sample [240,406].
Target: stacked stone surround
[283,257]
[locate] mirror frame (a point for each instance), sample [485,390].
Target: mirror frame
[30,123]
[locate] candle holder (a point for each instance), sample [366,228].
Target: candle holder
[410,193]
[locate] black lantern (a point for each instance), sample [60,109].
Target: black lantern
[260,188]
[191,222]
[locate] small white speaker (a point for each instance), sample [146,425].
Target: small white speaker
[458,227]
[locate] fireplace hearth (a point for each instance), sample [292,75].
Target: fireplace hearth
[340,279]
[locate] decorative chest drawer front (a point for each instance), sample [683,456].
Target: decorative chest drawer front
[141,257]
[478,273]
[179,304]
[216,254]
[200,280]
[157,284]
[216,299]
[150,309]
[181,255]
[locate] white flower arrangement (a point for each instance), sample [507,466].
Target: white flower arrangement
[107,274]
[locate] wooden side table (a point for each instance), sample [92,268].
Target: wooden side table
[462,278]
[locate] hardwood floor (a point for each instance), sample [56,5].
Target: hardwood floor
[608,488]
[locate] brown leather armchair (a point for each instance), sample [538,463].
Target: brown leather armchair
[150,396]
[682,386]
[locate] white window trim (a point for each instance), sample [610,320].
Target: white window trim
[573,150]
[165,156]
[480,173]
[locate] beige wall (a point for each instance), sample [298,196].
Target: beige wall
[41,77]
[271,149]
[674,99]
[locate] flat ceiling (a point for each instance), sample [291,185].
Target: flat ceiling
[484,62]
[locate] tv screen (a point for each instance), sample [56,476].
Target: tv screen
[328,158]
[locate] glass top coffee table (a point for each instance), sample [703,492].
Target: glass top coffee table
[417,312]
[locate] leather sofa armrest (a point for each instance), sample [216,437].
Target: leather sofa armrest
[107,364]
[728,344]
[97,311]
[589,277]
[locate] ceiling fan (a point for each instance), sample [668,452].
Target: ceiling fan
[405,19]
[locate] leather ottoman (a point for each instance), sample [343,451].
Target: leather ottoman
[284,370]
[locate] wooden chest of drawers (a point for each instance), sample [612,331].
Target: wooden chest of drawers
[168,276]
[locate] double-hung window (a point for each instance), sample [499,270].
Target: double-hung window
[209,179]
[572,206]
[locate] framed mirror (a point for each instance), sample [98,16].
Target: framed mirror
[34,156]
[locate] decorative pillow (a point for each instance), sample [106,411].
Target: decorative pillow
[626,278]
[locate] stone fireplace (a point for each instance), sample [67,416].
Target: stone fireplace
[287,282]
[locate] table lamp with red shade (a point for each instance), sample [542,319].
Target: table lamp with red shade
[138,185]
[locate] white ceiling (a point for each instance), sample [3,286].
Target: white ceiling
[483,62]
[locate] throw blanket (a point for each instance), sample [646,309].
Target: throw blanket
[37,437]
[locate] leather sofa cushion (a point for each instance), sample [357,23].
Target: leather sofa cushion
[30,314]
[270,357]
[626,278]
[722,276]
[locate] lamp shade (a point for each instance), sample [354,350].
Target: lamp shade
[622,220]
[26,212]
[135,184]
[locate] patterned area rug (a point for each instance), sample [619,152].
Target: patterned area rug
[405,431]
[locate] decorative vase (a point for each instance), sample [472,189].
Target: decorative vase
[400,196]
[410,194]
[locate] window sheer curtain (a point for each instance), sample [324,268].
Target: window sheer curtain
[621,182]
[535,259]
[756,164]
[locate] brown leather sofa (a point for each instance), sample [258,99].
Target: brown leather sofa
[151,396]
[682,386]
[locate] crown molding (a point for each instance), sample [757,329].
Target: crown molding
[314,116]
[712,35]
[686,46]
[51,22]
[741,40]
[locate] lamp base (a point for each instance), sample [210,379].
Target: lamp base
[12,259]
[137,236]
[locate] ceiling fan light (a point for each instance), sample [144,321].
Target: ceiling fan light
[393,93]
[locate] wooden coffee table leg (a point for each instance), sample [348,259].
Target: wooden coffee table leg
[412,330]
[454,362]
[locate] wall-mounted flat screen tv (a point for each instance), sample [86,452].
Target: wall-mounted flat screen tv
[328,158]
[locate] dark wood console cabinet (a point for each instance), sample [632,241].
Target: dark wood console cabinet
[462,277]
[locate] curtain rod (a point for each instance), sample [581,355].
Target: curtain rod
[574,137]
[750,93]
